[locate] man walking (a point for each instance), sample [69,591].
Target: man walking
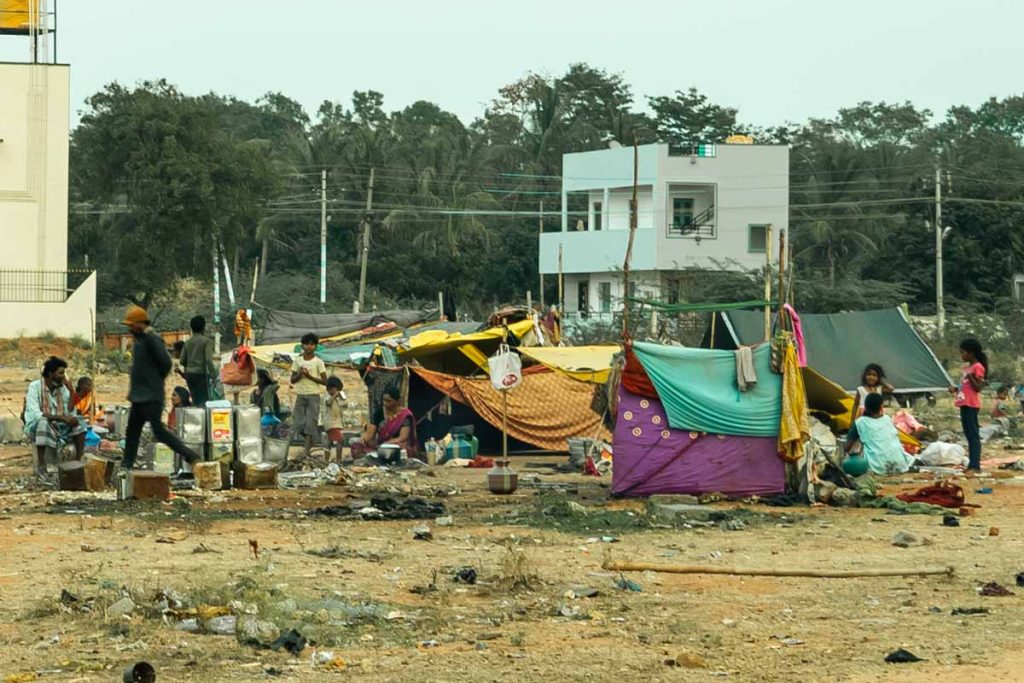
[197,361]
[150,366]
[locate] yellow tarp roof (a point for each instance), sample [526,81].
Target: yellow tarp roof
[430,342]
[583,363]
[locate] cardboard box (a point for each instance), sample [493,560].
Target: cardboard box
[149,485]
[260,476]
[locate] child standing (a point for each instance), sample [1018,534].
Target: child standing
[308,374]
[872,381]
[333,411]
[968,397]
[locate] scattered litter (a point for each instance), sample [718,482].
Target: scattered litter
[480,646]
[292,641]
[935,610]
[906,539]
[428,643]
[993,589]
[572,612]
[444,521]
[582,592]
[734,525]
[256,632]
[993,531]
[984,490]
[190,625]
[1020,579]
[386,507]
[950,520]
[122,607]
[969,611]
[226,625]
[203,548]
[687,660]
[422,533]
[140,672]
[86,548]
[624,584]
[788,641]
[327,659]
[465,575]
[902,656]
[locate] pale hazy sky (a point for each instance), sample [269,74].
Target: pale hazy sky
[775,60]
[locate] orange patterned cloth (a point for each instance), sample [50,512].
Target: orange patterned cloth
[545,410]
[243,326]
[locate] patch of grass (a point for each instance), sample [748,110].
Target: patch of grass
[80,342]
[48,336]
[518,571]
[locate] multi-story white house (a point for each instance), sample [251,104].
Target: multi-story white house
[709,208]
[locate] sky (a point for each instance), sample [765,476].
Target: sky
[774,60]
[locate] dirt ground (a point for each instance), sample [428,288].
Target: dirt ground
[358,602]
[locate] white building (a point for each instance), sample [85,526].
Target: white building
[37,292]
[708,208]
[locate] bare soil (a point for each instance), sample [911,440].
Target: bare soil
[734,628]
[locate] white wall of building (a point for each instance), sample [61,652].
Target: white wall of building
[74,317]
[34,119]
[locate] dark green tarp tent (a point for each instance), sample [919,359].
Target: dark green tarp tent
[839,345]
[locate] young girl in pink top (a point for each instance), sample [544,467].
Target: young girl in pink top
[968,397]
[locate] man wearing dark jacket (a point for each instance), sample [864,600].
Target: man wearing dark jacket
[150,366]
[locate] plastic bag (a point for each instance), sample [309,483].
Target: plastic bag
[506,369]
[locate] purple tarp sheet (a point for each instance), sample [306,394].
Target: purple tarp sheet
[651,458]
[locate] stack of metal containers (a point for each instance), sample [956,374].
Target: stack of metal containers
[248,442]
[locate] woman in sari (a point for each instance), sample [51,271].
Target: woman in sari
[395,425]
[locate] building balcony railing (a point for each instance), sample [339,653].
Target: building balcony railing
[40,286]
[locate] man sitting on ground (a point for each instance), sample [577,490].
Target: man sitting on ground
[50,418]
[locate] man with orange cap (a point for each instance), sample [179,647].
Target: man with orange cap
[150,366]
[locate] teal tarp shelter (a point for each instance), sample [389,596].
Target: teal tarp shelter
[839,345]
[698,390]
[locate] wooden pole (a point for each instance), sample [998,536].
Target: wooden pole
[504,400]
[632,233]
[626,566]
[714,315]
[782,270]
[440,305]
[768,283]
[366,241]
[540,273]
[561,283]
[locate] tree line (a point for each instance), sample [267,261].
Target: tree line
[161,181]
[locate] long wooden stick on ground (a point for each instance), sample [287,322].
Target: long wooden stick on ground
[625,566]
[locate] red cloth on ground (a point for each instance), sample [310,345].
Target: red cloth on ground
[945,494]
[481,462]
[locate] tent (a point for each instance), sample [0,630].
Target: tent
[683,425]
[545,410]
[840,345]
[583,363]
[288,326]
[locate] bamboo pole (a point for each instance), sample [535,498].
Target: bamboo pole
[633,221]
[768,231]
[626,566]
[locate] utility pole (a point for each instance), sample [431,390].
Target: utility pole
[940,307]
[540,273]
[323,236]
[366,241]
[633,220]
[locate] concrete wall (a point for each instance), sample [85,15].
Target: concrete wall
[751,188]
[596,252]
[34,118]
[74,317]
[749,185]
[646,286]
